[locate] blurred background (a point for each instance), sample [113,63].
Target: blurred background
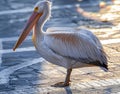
[99,16]
[102,17]
[14,13]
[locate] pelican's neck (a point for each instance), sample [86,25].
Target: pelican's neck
[38,28]
[42,20]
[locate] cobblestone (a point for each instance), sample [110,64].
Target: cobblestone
[20,82]
[6,87]
[25,73]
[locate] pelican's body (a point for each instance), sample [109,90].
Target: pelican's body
[70,48]
[66,47]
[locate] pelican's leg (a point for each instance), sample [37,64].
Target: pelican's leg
[67,80]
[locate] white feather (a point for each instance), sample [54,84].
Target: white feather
[67,47]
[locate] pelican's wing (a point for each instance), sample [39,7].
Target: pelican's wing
[84,31]
[59,29]
[76,46]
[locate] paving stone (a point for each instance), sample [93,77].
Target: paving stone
[101,83]
[111,81]
[25,75]
[36,67]
[9,44]
[13,78]
[31,77]
[94,84]
[40,82]
[105,82]
[24,71]
[84,81]
[20,82]
[116,90]
[6,87]
[118,80]
[81,86]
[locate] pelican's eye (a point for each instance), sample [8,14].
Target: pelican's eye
[36,9]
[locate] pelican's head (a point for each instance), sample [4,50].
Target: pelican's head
[40,9]
[43,6]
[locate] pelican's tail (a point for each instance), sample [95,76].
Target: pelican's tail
[103,61]
[104,67]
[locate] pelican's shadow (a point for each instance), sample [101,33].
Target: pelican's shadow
[68,90]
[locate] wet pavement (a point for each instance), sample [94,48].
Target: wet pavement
[25,72]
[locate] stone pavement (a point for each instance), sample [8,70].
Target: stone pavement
[24,72]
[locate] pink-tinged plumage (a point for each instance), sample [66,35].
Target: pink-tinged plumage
[65,46]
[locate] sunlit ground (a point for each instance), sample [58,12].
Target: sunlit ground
[24,72]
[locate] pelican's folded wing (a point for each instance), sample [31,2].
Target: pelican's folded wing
[74,45]
[60,29]
[78,30]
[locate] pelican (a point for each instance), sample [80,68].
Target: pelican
[63,46]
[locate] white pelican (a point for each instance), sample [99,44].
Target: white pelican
[66,47]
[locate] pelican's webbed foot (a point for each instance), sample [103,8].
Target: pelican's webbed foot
[67,80]
[61,84]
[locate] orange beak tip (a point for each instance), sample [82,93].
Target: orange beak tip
[13,49]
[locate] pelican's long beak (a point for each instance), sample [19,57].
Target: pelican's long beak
[31,22]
